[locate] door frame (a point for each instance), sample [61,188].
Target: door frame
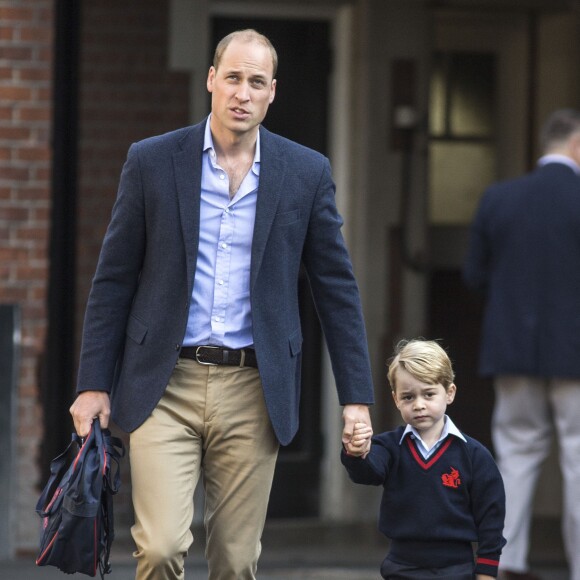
[511,36]
[506,35]
[190,52]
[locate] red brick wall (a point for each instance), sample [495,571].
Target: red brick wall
[25,157]
[127,93]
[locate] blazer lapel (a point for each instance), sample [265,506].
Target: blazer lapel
[187,168]
[272,173]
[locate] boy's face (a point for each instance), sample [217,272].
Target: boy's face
[422,405]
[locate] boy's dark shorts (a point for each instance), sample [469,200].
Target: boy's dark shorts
[391,570]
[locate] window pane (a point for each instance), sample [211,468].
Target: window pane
[438,96]
[471,90]
[459,172]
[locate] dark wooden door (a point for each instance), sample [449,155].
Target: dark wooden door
[299,112]
[454,316]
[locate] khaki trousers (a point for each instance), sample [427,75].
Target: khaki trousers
[527,412]
[211,422]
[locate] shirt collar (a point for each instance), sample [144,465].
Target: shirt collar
[208,146]
[449,428]
[559,158]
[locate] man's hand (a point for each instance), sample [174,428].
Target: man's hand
[360,441]
[88,406]
[353,414]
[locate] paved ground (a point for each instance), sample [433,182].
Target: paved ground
[24,569]
[292,552]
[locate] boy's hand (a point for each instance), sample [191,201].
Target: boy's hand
[351,415]
[362,432]
[360,441]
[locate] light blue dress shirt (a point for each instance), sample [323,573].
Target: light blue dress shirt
[220,313]
[449,428]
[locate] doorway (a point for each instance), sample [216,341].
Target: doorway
[299,112]
[477,135]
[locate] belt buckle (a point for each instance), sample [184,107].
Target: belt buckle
[210,364]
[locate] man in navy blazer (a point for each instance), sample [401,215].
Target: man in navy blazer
[192,337]
[525,255]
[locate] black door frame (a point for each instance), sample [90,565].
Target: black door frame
[297,481]
[57,361]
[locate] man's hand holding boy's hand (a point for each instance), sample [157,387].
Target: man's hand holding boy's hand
[352,415]
[360,441]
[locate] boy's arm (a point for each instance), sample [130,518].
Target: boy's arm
[484,577]
[488,501]
[373,468]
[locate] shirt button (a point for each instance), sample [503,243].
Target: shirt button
[224,245]
[222,176]
[221,282]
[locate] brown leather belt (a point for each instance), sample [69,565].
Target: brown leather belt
[219,355]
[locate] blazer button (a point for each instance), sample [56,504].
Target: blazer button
[177,346]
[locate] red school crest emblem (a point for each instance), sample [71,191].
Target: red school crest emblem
[452,479]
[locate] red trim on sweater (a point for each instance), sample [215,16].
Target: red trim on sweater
[434,459]
[487,561]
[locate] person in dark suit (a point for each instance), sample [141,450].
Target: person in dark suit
[192,337]
[524,254]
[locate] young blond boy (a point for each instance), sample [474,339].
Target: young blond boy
[442,489]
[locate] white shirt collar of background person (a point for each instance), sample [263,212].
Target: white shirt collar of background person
[559,158]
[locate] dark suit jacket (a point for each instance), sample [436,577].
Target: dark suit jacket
[525,254]
[138,306]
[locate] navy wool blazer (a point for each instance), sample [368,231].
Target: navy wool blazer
[525,255]
[138,306]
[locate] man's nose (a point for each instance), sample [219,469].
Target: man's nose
[243,92]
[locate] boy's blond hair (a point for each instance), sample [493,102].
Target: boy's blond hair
[425,360]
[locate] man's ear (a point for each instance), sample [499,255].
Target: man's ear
[210,78]
[574,147]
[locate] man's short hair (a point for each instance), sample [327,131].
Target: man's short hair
[246,35]
[559,127]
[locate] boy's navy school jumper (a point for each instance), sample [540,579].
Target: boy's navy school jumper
[433,509]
